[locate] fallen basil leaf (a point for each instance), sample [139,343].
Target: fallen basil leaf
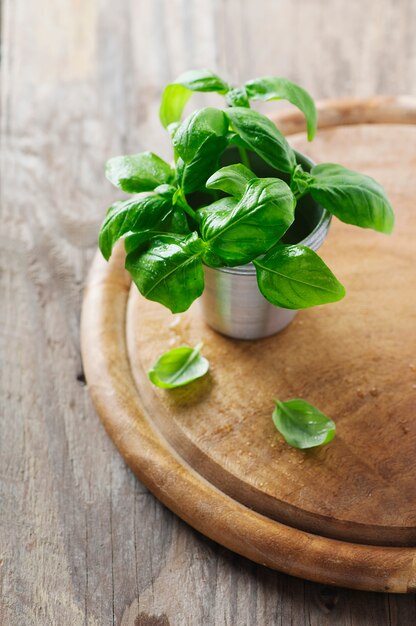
[170,271]
[275,88]
[302,425]
[134,173]
[352,197]
[262,136]
[178,367]
[295,277]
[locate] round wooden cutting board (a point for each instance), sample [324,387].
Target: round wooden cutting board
[343,514]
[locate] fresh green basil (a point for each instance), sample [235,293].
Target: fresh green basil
[238,234]
[176,95]
[170,271]
[199,141]
[232,179]
[300,181]
[196,129]
[174,222]
[275,88]
[171,231]
[202,80]
[302,425]
[295,277]
[144,214]
[138,172]
[222,209]
[166,191]
[178,367]
[262,136]
[174,99]
[235,140]
[134,241]
[352,197]
[237,97]
[192,176]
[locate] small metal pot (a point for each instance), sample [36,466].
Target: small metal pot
[232,303]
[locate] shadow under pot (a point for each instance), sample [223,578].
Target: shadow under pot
[232,303]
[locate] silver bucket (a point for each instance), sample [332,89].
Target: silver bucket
[232,303]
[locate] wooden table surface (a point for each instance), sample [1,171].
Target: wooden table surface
[82,541]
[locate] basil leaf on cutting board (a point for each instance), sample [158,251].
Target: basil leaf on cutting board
[178,367]
[302,425]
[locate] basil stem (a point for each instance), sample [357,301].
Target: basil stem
[244,157]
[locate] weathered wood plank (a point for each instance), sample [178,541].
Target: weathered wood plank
[81,540]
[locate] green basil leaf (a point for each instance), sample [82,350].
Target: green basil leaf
[142,214]
[170,271]
[138,172]
[138,240]
[176,95]
[174,99]
[167,191]
[232,179]
[144,217]
[178,367]
[175,222]
[302,425]
[118,204]
[263,137]
[235,140]
[237,97]
[295,277]
[202,80]
[196,129]
[222,209]
[353,197]
[192,176]
[238,233]
[275,88]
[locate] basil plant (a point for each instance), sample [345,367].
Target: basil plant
[212,206]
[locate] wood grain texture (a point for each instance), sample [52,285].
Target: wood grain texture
[82,542]
[210,448]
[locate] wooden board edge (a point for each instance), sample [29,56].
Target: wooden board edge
[348,111]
